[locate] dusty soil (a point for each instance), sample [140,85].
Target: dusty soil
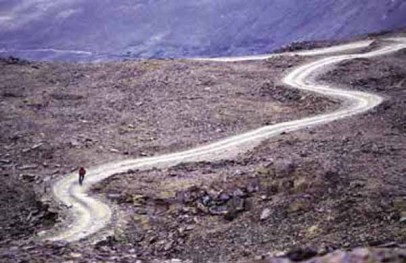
[301,195]
[56,117]
[341,185]
[142,108]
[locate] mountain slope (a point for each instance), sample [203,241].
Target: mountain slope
[164,28]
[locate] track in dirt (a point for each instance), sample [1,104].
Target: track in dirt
[91,217]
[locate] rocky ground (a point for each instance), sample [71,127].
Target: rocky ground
[130,109]
[300,196]
[338,186]
[56,117]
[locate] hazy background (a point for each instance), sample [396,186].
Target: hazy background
[182,28]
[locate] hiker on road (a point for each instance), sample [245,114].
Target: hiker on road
[82,173]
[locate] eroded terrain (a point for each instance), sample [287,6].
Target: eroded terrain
[337,186]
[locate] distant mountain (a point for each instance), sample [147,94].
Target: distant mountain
[40,29]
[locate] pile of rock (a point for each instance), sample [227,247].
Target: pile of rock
[224,203]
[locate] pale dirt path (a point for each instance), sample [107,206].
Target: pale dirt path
[313,52]
[90,216]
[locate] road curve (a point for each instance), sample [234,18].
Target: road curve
[311,52]
[90,216]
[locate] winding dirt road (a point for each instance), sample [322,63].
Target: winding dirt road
[313,52]
[91,216]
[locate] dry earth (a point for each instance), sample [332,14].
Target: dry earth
[338,186]
[56,117]
[307,193]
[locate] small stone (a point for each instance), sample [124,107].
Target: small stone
[257,258]
[239,173]
[224,197]
[301,184]
[313,231]
[28,177]
[265,197]
[277,254]
[113,196]
[42,233]
[402,217]
[36,146]
[266,213]
[168,246]
[74,143]
[252,188]
[75,255]
[189,228]
[206,200]
[218,210]
[301,254]
[357,184]
[28,167]
[303,154]
[238,203]
[238,193]
[202,208]
[298,205]
[231,215]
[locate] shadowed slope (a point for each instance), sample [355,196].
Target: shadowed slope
[41,29]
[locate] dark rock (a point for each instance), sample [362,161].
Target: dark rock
[284,168]
[237,203]
[231,215]
[15,61]
[66,96]
[223,198]
[109,241]
[301,254]
[28,177]
[59,245]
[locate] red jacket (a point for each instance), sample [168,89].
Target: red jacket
[82,171]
